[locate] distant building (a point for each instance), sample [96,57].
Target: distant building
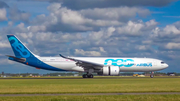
[76,74]
[171,74]
[30,75]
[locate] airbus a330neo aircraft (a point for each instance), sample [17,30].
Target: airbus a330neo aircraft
[100,65]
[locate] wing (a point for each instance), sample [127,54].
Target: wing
[84,64]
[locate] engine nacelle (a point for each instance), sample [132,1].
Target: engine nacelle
[110,70]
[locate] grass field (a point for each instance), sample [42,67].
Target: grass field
[96,98]
[96,85]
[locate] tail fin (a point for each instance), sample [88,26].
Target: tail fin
[19,49]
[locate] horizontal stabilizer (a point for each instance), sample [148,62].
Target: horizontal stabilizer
[16,59]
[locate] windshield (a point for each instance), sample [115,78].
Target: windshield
[162,62]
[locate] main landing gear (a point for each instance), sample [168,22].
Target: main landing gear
[87,76]
[88,73]
[152,75]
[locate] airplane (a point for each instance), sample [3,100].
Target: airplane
[111,66]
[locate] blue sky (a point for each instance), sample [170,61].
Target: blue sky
[116,28]
[167,14]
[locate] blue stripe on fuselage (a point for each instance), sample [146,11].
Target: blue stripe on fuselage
[39,64]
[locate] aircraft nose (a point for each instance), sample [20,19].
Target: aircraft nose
[166,66]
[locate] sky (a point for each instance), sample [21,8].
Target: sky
[96,28]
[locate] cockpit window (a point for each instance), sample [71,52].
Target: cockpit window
[162,62]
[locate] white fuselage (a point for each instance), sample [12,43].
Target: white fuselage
[125,64]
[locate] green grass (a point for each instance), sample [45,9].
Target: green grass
[95,98]
[96,85]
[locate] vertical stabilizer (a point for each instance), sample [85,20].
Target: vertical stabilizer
[19,49]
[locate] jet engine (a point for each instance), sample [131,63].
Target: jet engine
[110,70]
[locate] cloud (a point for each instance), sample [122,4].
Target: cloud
[85,4]
[17,15]
[20,28]
[171,29]
[37,28]
[167,38]
[3,5]
[102,34]
[172,45]
[87,53]
[3,14]
[120,13]
[68,20]
[172,16]
[169,32]
[85,35]
[101,49]
[137,28]
[142,47]
[4,45]
[94,43]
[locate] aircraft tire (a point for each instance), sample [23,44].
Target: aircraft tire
[85,76]
[151,76]
[90,76]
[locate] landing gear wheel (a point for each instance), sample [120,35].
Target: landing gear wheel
[90,76]
[151,76]
[85,76]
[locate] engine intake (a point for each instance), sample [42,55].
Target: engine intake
[110,70]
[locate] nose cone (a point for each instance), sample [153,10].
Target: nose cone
[165,66]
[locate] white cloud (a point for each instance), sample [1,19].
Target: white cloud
[155,32]
[102,34]
[37,28]
[172,45]
[142,47]
[6,61]
[85,4]
[137,28]
[68,20]
[87,53]
[151,23]
[171,29]
[54,7]
[147,42]
[131,28]
[120,13]
[10,23]
[3,14]
[102,49]
[16,15]
[4,45]
[73,17]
